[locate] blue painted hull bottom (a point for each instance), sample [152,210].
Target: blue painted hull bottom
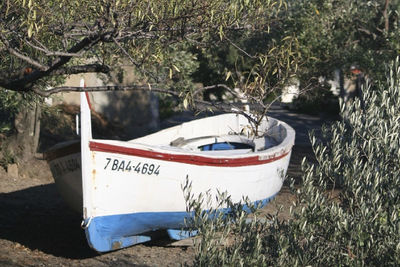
[107,233]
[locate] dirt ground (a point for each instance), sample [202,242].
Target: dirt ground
[37,229]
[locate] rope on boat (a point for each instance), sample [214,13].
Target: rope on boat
[85,223]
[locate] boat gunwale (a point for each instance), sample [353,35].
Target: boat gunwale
[173,154]
[168,153]
[189,158]
[194,159]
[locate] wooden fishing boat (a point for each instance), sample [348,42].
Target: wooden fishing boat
[127,189]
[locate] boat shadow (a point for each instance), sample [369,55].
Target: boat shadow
[38,219]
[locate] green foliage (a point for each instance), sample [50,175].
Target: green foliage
[179,67]
[257,62]
[167,106]
[10,104]
[255,46]
[348,207]
[338,33]
[7,158]
[320,100]
[57,125]
[226,236]
[44,41]
[145,30]
[360,159]
[335,34]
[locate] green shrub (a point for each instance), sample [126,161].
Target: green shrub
[348,206]
[10,104]
[6,158]
[227,237]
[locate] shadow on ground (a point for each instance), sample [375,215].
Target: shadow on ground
[37,218]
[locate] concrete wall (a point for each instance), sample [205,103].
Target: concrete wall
[291,91]
[137,111]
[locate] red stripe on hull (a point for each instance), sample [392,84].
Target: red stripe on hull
[88,99]
[188,159]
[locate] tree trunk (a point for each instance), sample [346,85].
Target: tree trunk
[27,125]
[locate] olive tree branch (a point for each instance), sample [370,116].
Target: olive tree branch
[18,83]
[19,55]
[47,52]
[98,68]
[106,88]
[221,106]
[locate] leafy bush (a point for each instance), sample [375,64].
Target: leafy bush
[10,104]
[317,101]
[226,237]
[348,207]
[6,158]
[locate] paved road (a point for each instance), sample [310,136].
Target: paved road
[301,123]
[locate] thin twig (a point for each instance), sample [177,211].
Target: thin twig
[21,56]
[52,53]
[106,88]
[239,48]
[226,107]
[137,65]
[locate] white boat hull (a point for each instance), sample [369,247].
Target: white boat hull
[133,188]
